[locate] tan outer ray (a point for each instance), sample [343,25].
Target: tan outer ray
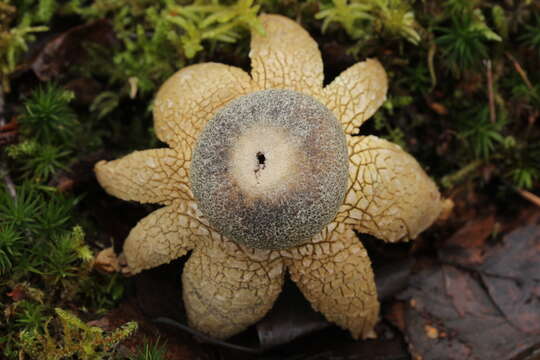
[389,195]
[356,94]
[164,235]
[149,176]
[335,275]
[226,289]
[286,57]
[190,98]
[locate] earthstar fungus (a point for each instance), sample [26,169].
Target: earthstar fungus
[263,176]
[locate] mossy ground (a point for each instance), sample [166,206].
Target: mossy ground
[77,81]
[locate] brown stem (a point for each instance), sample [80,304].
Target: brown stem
[206,338]
[529,196]
[492,113]
[520,70]
[3,167]
[2,119]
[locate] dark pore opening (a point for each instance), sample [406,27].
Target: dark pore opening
[261,158]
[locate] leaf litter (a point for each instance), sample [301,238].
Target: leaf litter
[480,300]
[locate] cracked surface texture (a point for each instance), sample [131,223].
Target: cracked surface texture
[334,273]
[389,195]
[286,57]
[229,286]
[226,290]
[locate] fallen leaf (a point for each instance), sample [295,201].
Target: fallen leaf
[511,273]
[392,278]
[291,317]
[69,48]
[484,299]
[466,246]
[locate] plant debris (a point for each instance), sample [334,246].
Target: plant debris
[480,302]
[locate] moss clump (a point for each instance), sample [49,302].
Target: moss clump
[78,340]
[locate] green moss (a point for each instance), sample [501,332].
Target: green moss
[78,340]
[531,35]
[44,259]
[365,19]
[464,43]
[18,26]
[48,118]
[151,351]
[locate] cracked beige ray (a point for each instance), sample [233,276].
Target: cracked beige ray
[285,57]
[389,195]
[226,290]
[334,274]
[149,176]
[164,235]
[356,94]
[190,98]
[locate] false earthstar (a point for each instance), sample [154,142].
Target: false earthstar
[264,175]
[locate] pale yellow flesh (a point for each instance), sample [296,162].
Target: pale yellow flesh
[389,195]
[225,290]
[286,57]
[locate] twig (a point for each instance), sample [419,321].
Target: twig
[529,196]
[492,114]
[9,183]
[4,172]
[2,119]
[520,70]
[206,338]
[431,65]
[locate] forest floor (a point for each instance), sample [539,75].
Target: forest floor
[77,82]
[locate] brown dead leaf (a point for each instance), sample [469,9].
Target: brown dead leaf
[484,302]
[69,48]
[511,274]
[291,317]
[466,246]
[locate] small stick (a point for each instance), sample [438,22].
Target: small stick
[2,119]
[3,168]
[492,114]
[520,71]
[206,338]
[431,66]
[529,196]
[9,183]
